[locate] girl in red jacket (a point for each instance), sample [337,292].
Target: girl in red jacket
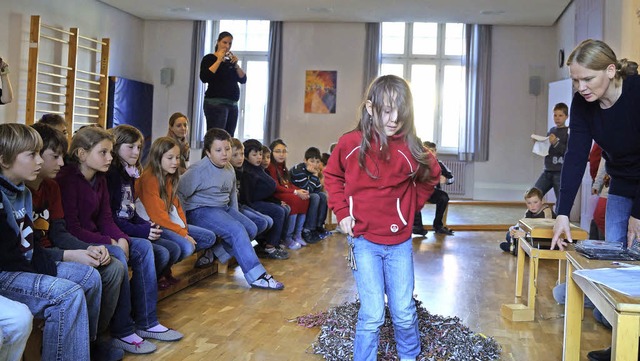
[377,177]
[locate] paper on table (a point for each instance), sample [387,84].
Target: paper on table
[541,146]
[625,280]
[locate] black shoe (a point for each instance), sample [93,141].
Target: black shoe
[600,355]
[420,231]
[505,246]
[444,230]
[310,237]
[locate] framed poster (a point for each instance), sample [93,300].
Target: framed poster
[320,91]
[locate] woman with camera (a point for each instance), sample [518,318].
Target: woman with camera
[222,73]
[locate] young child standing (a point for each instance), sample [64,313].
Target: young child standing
[208,193]
[87,211]
[377,177]
[257,189]
[535,209]
[307,175]
[287,192]
[51,232]
[156,190]
[558,137]
[123,172]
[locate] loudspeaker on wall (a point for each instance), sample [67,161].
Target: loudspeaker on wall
[535,85]
[166,76]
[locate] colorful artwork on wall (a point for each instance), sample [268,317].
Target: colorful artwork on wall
[320,91]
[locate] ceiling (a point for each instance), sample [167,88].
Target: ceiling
[499,12]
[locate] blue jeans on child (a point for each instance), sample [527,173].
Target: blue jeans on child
[236,232]
[140,294]
[166,253]
[204,239]
[262,222]
[15,328]
[278,215]
[381,270]
[317,212]
[61,303]
[548,180]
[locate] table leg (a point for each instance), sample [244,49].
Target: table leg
[572,318]
[520,270]
[532,289]
[625,338]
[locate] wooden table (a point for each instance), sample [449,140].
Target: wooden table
[622,312]
[534,228]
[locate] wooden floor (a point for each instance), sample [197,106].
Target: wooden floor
[465,275]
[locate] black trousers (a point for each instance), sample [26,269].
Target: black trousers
[441,199]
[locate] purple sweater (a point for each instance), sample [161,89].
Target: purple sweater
[86,206]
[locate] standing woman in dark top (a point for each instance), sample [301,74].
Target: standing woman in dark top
[222,73]
[605,109]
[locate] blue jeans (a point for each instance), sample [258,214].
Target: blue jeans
[560,295]
[317,212]
[277,214]
[15,328]
[223,116]
[233,228]
[204,239]
[112,276]
[381,270]
[166,253]
[139,295]
[617,218]
[61,303]
[548,180]
[262,222]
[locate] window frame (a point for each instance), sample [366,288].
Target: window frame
[440,60]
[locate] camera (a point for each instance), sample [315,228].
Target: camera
[227,56]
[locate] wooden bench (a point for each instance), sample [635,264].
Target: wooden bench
[535,228]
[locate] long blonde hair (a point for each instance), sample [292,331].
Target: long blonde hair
[86,138]
[154,165]
[394,90]
[597,55]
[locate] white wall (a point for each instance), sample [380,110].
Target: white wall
[93,18]
[565,38]
[320,46]
[167,44]
[517,53]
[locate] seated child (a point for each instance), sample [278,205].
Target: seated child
[156,191]
[55,121]
[65,294]
[50,231]
[294,197]
[87,211]
[262,221]
[535,209]
[124,170]
[208,194]
[306,175]
[257,190]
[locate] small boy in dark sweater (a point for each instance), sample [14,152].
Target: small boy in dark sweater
[535,209]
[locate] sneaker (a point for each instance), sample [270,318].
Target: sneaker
[300,240]
[444,230]
[419,231]
[168,335]
[276,253]
[206,260]
[141,348]
[292,244]
[310,237]
[600,355]
[323,232]
[267,282]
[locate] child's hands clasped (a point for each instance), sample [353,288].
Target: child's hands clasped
[154,232]
[302,193]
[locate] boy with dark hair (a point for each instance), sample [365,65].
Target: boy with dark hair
[307,175]
[55,121]
[535,209]
[558,137]
[51,232]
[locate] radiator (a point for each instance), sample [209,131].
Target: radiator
[458,170]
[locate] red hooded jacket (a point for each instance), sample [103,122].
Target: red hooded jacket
[383,207]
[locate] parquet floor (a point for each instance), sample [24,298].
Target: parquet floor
[465,275]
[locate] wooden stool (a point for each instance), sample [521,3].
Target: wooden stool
[535,228]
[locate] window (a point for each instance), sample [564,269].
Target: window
[251,46]
[431,57]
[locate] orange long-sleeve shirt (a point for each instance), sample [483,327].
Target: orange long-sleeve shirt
[148,190]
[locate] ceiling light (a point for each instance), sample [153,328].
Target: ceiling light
[492,12]
[179,10]
[322,10]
